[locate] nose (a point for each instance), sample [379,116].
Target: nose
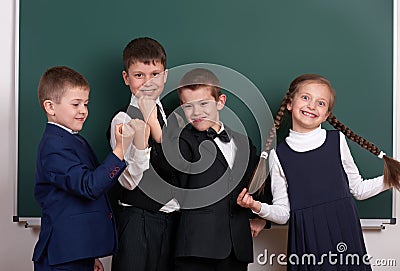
[311,104]
[148,81]
[196,110]
[83,109]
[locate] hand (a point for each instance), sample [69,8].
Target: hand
[246,200]
[148,108]
[123,136]
[142,133]
[128,133]
[256,226]
[118,150]
[98,266]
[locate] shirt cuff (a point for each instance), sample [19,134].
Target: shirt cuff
[134,154]
[264,211]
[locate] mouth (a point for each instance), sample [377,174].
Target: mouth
[308,114]
[148,91]
[196,121]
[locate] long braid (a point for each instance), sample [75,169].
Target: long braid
[257,182]
[353,136]
[391,170]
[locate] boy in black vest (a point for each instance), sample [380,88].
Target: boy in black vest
[145,226]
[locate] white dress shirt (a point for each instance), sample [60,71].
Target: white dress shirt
[228,149]
[302,142]
[137,160]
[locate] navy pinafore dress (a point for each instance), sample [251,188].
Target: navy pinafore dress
[324,228]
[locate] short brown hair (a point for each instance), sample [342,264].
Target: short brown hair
[145,50]
[56,81]
[200,77]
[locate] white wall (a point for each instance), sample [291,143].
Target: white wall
[16,242]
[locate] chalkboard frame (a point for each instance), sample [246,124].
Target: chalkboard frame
[35,220]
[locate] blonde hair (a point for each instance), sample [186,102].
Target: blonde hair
[391,166]
[56,81]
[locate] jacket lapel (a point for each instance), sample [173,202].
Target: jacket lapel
[201,136]
[242,153]
[82,148]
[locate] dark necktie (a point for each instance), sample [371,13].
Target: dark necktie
[223,136]
[160,117]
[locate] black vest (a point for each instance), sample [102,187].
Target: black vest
[157,170]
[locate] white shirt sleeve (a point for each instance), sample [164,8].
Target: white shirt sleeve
[279,211]
[137,160]
[361,189]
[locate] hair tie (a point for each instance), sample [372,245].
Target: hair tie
[264,155]
[381,154]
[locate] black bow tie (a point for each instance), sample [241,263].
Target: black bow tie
[223,136]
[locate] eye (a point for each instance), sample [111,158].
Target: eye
[155,74]
[205,103]
[138,75]
[304,97]
[187,106]
[86,104]
[322,103]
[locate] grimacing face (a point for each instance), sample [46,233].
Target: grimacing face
[201,109]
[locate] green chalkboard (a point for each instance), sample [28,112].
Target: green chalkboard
[270,42]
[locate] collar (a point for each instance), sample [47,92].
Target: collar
[306,141]
[62,126]
[222,127]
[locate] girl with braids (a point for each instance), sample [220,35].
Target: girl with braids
[322,180]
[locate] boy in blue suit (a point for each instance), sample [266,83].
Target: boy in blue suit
[77,224]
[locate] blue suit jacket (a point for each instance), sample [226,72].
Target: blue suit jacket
[70,187]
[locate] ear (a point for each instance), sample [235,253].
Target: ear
[49,107]
[125,76]
[327,115]
[289,106]
[221,101]
[165,75]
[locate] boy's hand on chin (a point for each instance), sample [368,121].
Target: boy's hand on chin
[148,108]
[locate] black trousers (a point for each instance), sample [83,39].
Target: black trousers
[146,240]
[205,264]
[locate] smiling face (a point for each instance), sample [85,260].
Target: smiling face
[310,106]
[201,108]
[145,79]
[71,111]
